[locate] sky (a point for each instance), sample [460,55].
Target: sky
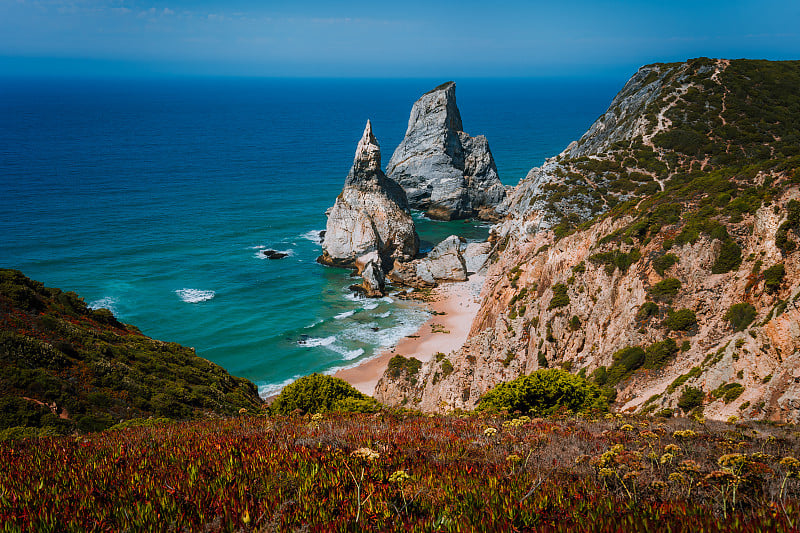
[404,39]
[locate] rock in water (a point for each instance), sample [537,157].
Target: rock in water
[444,171]
[369,217]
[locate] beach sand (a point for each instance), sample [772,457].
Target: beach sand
[459,302]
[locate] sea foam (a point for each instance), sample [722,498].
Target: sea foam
[345,314]
[193,296]
[321,341]
[313,236]
[105,303]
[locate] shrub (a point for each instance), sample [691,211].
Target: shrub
[317,393]
[782,239]
[665,289]
[690,398]
[680,320]
[728,392]
[399,365]
[740,315]
[543,392]
[625,362]
[658,353]
[729,258]
[560,297]
[773,277]
[662,263]
[616,259]
[647,310]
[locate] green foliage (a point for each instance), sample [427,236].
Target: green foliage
[691,397]
[740,315]
[544,392]
[773,277]
[659,353]
[729,258]
[680,320]
[399,365]
[646,311]
[626,361]
[728,391]
[792,223]
[663,262]
[683,378]
[316,393]
[447,367]
[560,297]
[665,289]
[616,259]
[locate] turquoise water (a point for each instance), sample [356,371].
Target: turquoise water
[154,198]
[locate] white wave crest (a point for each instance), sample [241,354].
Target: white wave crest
[346,354]
[345,314]
[384,315]
[105,303]
[311,342]
[370,305]
[268,389]
[193,296]
[312,236]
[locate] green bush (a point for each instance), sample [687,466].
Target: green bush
[792,222]
[317,393]
[616,259]
[773,277]
[399,365]
[658,353]
[647,310]
[544,392]
[662,263]
[728,391]
[740,315]
[665,289]
[729,258]
[690,398]
[680,320]
[626,361]
[560,297]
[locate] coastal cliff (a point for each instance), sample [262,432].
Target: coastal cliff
[655,256]
[444,171]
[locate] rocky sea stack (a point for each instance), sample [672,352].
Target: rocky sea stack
[368,226]
[444,171]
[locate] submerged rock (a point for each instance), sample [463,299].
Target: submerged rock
[443,170]
[274,254]
[368,226]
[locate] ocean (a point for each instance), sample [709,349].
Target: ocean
[155,198]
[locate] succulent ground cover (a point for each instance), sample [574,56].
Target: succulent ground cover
[406,472]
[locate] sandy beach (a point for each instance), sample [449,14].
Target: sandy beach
[441,333]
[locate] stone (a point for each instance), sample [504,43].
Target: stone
[274,254]
[444,171]
[370,215]
[444,263]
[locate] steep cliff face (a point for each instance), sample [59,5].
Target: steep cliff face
[650,261]
[368,227]
[444,171]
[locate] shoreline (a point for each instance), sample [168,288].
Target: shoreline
[454,305]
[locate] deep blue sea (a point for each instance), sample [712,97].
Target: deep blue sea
[155,197]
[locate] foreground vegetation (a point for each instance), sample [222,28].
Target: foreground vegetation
[403,472]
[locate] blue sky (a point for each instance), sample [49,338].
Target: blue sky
[409,38]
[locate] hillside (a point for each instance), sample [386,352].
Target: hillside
[64,367]
[656,255]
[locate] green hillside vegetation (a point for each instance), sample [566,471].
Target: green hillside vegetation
[65,367]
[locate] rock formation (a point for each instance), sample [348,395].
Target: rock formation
[444,263]
[444,171]
[368,227]
[690,282]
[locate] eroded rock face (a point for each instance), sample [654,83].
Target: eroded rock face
[444,171]
[369,216]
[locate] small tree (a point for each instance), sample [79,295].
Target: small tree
[318,393]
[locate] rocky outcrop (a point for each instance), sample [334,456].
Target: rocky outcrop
[368,227]
[444,171]
[444,263]
[369,215]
